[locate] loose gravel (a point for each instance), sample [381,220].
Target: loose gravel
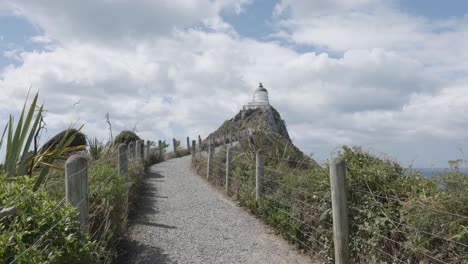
[182,219]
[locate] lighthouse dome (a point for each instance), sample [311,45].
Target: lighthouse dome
[260,95]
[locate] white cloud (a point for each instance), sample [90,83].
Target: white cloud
[363,24]
[174,79]
[117,22]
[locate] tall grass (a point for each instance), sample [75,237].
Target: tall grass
[395,213]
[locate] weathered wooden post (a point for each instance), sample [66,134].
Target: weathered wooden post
[228,167]
[175,147]
[123,160]
[138,150]
[123,163]
[142,150]
[194,150]
[199,145]
[160,150]
[188,144]
[76,187]
[148,150]
[340,211]
[210,157]
[131,150]
[260,171]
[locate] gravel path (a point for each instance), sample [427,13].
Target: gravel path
[183,219]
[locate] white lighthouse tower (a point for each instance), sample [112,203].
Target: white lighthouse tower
[260,99]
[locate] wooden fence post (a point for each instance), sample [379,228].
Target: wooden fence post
[123,163]
[228,167]
[160,150]
[148,150]
[175,147]
[123,160]
[210,157]
[260,171]
[76,187]
[131,150]
[199,145]
[340,211]
[188,144]
[138,150]
[194,150]
[142,150]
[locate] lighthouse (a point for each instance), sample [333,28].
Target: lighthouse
[260,99]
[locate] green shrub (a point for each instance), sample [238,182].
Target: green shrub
[42,230]
[394,213]
[154,157]
[79,139]
[126,137]
[136,171]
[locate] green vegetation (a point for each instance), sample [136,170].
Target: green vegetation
[395,213]
[42,230]
[75,137]
[126,137]
[259,120]
[40,227]
[19,160]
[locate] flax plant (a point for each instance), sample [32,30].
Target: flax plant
[19,160]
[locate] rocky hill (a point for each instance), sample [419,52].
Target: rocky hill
[264,120]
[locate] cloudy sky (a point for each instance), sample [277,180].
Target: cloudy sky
[390,76]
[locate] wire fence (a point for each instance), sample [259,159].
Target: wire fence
[98,216]
[389,219]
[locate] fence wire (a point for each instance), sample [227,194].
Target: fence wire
[279,196]
[104,225]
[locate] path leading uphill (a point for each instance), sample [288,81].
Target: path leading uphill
[182,219]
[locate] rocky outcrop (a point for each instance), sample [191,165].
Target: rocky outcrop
[264,120]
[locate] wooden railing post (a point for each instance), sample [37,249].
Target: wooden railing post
[138,150]
[340,211]
[123,163]
[188,144]
[160,150]
[175,147]
[194,150]
[148,150]
[131,150]
[210,157]
[76,187]
[199,145]
[260,171]
[142,150]
[228,168]
[123,160]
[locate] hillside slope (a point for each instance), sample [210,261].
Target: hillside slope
[269,133]
[264,120]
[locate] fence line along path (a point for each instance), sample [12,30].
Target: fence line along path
[180,218]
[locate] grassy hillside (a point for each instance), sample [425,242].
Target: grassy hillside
[396,215]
